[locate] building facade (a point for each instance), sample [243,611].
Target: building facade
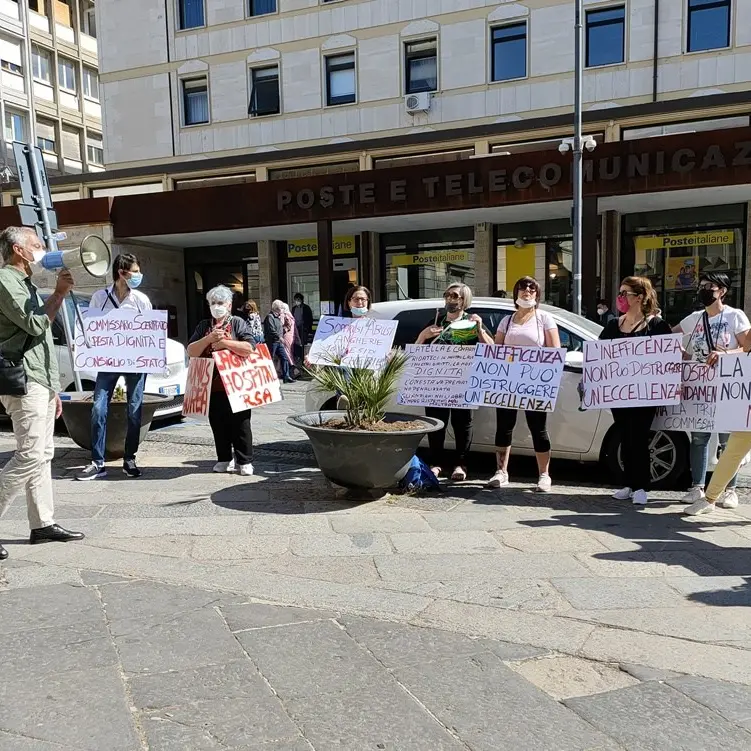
[49,83]
[469,100]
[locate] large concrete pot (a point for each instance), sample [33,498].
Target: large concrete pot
[77,418]
[363,459]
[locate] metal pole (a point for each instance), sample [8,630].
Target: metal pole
[577,148]
[51,243]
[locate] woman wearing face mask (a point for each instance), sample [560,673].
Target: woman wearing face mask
[455,327]
[527,327]
[357,302]
[233,436]
[715,330]
[640,316]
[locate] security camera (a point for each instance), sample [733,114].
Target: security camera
[563,147]
[590,144]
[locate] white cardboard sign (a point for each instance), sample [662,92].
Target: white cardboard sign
[435,376]
[733,405]
[352,342]
[696,411]
[249,381]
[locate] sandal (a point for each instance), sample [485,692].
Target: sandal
[436,471]
[459,475]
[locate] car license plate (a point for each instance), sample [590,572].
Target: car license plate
[169,390]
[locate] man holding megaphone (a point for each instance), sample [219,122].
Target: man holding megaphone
[29,382]
[124,293]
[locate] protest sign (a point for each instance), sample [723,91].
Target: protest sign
[511,377]
[198,387]
[435,376]
[249,381]
[122,341]
[637,371]
[352,342]
[696,410]
[733,404]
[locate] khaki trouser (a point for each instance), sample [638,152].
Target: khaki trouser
[739,444]
[30,469]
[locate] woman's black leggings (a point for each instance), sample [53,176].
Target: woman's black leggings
[461,423]
[505,419]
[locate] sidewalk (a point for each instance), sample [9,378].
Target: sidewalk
[219,612]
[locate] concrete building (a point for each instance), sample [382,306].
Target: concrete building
[49,83]
[468,100]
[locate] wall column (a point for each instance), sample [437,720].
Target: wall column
[268,275]
[326,267]
[611,257]
[484,282]
[591,231]
[747,276]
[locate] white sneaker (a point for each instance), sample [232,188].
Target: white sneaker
[246,470]
[624,494]
[544,484]
[222,467]
[702,506]
[728,499]
[640,497]
[498,480]
[695,494]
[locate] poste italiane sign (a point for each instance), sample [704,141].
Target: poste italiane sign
[666,242]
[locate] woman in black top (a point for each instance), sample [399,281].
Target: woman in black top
[640,316]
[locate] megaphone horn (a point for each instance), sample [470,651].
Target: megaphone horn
[93,255]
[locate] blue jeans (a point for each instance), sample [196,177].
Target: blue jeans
[103,390]
[277,348]
[700,457]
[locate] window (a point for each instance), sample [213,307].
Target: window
[40,64]
[71,140]
[264,92]
[15,126]
[11,67]
[606,32]
[94,150]
[509,51]
[90,83]
[190,13]
[66,74]
[88,19]
[261,7]
[708,24]
[46,139]
[195,101]
[340,79]
[421,66]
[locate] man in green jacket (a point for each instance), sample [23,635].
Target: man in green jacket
[25,332]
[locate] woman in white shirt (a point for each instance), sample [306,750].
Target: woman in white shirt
[527,327]
[712,331]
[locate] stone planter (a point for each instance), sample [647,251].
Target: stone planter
[363,459]
[77,418]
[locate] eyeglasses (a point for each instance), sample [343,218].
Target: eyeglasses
[709,285]
[359,299]
[624,293]
[528,285]
[452,296]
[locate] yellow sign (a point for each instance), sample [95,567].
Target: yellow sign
[666,242]
[682,273]
[439,256]
[308,248]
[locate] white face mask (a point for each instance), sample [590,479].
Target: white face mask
[219,311]
[522,303]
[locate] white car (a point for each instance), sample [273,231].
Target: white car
[585,436]
[171,383]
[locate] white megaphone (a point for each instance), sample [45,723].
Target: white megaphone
[92,255]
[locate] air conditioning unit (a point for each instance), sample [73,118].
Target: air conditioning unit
[417,102]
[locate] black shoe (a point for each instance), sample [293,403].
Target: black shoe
[53,533]
[93,472]
[130,468]
[3,553]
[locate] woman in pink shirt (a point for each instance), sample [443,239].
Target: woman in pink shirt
[527,327]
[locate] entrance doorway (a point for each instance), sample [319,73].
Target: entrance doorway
[302,277]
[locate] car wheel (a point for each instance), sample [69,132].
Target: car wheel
[668,451]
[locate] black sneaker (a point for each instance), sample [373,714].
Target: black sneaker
[92,472]
[130,468]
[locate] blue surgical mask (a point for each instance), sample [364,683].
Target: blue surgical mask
[134,281]
[357,312]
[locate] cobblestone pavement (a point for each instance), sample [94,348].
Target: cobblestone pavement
[267,613]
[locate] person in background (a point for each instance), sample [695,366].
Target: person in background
[640,316]
[124,294]
[26,336]
[290,337]
[457,298]
[715,330]
[501,293]
[233,436]
[273,334]
[239,306]
[254,321]
[527,327]
[304,321]
[357,302]
[604,314]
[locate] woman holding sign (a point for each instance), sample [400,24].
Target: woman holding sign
[455,327]
[527,327]
[712,331]
[640,316]
[233,437]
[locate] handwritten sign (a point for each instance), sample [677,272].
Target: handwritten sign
[733,404]
[639,371]
[435,376]
[122,341]
[696,411]
[249,381]
[511,377]
[198,387]
[352,342]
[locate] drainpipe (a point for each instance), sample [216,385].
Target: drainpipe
[169,77]
[656,44]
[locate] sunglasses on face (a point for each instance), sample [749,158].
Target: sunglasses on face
[709,285]
[452,296]
[528,285]
[626,293]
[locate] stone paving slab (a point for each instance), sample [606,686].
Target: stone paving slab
[730,700]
